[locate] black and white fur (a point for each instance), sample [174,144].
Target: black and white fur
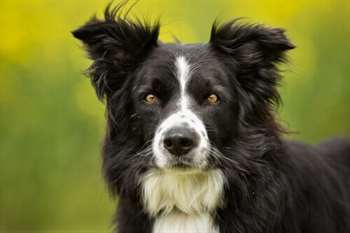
[240,175]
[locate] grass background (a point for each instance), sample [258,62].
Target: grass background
[51,124]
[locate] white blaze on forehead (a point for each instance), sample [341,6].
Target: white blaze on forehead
[183,69]
[183,116]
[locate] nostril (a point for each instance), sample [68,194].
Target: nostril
[186,142]
[168,143]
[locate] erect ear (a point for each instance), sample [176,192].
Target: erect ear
[254,51]
[116,45]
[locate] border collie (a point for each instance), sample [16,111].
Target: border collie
[192,144]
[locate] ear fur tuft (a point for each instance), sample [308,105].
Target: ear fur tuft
[116,45]
[252,52]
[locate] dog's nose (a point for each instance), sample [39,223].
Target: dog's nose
[179,141]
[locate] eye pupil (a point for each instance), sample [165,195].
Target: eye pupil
[213,99]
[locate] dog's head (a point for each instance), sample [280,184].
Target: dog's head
[176,105]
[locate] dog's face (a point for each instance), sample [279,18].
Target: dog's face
[182,97]
[184,103]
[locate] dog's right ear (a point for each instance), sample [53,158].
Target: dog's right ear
[116,45]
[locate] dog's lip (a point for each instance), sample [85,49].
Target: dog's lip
[183,170]
[181,163]
[182,167]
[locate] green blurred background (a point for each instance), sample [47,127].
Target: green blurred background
[51,124]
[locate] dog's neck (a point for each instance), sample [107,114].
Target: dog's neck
[182,201]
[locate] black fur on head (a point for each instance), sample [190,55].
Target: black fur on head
[116,45]
[252,52]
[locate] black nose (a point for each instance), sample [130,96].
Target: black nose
[179,141]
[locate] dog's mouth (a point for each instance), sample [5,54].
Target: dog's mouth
[182,164]
[183,169]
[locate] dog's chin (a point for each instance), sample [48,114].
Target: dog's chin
[182,166]
[183,170]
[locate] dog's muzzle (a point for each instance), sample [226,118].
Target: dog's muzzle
[181,140]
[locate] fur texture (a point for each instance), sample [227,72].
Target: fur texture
[190,192]
[247,178]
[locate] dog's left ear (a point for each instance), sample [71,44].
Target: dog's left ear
[253,52]
[250,43]
[116,45]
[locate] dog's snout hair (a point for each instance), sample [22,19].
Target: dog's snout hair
[182,117]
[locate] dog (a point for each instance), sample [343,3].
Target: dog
[192,144]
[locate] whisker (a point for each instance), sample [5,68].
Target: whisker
[146,149]
[220,158]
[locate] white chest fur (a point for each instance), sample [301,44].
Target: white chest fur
[182,201]
[182,223]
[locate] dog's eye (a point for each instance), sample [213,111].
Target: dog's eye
[151,99]
[213,99]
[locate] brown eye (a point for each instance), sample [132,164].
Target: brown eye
[213,99]
[151,99]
